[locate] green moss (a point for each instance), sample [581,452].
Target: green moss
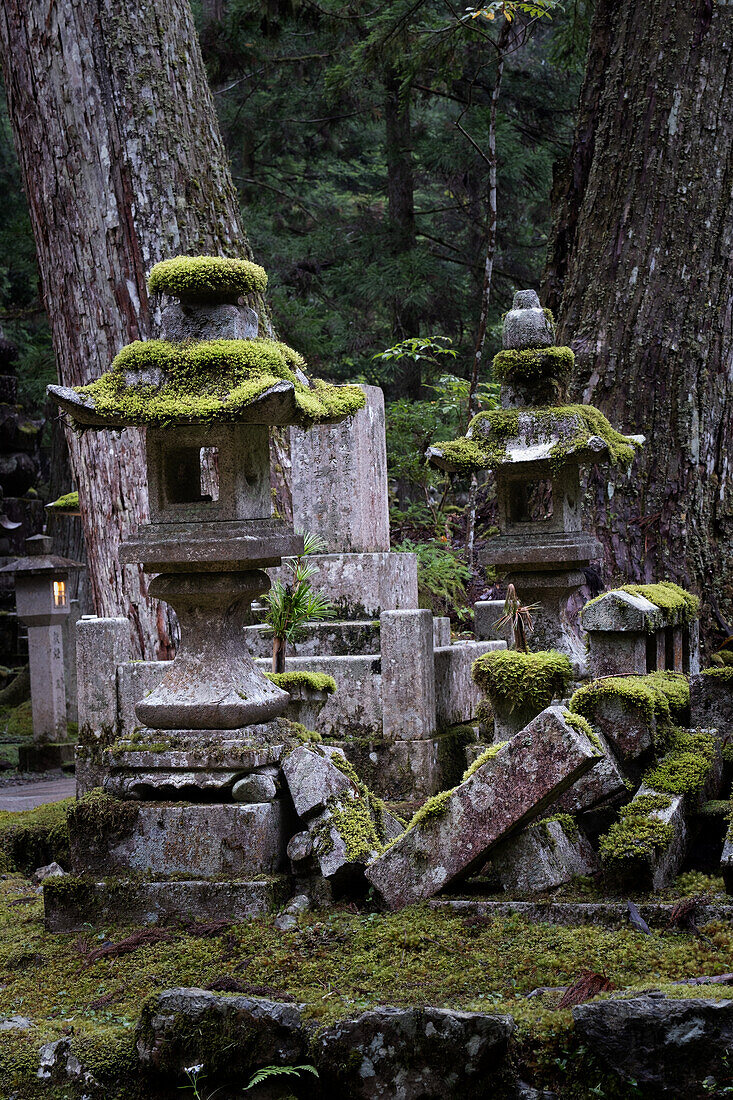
[534,364]
[582,725]
[678,605]
[489,754]
[434,808]
[567,823]
[312,681]
[100,818]
[34,838]
[633,838]
[723,674]
[645,804]
[207,278]
[686,768]
[69,502]
[485,447]
[515,679]
[208,381]
[19,723]
[660,696]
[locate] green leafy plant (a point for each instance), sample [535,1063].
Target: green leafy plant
[442,576]
[291,604]
[268,1072]
[519,617]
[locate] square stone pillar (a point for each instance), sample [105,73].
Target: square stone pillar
[48,694]
[408,675]
[340,480]
[101,645]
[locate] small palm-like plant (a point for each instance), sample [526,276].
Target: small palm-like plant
[293,603]
[519,617]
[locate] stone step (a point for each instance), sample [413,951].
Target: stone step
[605,914]
[73,903]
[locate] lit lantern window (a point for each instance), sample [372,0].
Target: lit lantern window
[59,593]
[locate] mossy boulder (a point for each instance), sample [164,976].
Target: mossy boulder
[35,838]
[207,278]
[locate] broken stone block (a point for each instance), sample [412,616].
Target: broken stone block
[312,780]
[545,855]
[254,788]
[645,847]
[454,832]
[51,870]
[231,1036]
[604,785]
[413,1053]
[300,847]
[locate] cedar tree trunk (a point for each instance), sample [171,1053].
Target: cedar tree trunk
[641,268]
[123,165]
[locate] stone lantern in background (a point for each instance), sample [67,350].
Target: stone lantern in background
[43,600]
[535,446]
[207,394]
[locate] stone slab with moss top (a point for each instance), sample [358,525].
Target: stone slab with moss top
[454,833]
[545,855]
[520,685]
[67,505]
[74,903]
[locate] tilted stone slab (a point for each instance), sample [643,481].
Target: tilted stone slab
[501,797]
[542,857]
[312,779]
[604,785]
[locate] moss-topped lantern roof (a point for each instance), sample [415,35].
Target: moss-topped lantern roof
[535,435]
[165,384]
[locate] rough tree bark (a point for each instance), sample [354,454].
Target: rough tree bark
[641,266]
[123,164]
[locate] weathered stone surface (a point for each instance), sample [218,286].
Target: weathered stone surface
[58,1065]
[603,785]
[101,645]
[397,770]
[711,703]
[726,864]
[413,1054]
[69,644]
[525,325]
[162,838]
[254,788]
[361,586]
[456,695]
[231,1036]
[630,731]
[340,480]
[604,914]
[190,321]
[408,675]
[500,797]
[617,654]
[349,638]
[620,612]
[15,1023]
[136,680]
[312,780]
[85,901]
[300,848]
[659,1043]
[441,631]
[355,709]
[486,614]
[542,857]
[51,870]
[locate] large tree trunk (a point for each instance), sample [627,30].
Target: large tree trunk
[642,260]
[123,164]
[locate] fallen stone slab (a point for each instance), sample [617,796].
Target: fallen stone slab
[603,914]
[230,1036]
[603,786]
[413,1054]
[545,855]
[668,1045]
[456,830]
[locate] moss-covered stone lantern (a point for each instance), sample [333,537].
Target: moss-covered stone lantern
[207,405]
[535,446]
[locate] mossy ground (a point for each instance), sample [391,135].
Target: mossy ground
[337,963]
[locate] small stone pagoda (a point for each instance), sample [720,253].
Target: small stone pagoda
[207,393]
[535,446]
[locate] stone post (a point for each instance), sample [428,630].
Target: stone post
[101,645]
[408,675]
[48,690]
[72,705]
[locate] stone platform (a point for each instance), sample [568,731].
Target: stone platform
[72,904]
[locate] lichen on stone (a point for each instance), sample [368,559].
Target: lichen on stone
[207,278]
[155,382]
[515,679]
[488,754]
[312,681]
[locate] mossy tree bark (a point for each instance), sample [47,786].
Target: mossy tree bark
[123,165]
[640,272]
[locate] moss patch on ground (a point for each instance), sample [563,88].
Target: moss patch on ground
[161,383]
[338,964]
[515,679]
[34,838]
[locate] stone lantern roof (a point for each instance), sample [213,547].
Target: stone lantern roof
[533,430]
[40,560]
[184,379]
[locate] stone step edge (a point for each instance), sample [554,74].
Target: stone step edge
[605,914]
